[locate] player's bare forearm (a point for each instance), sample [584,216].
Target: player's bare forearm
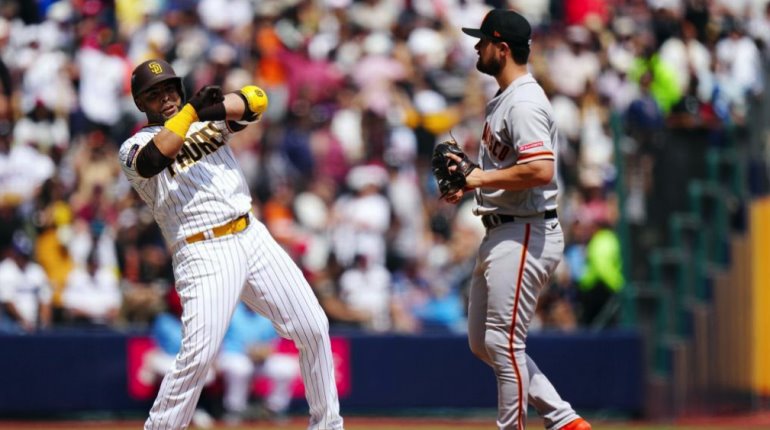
[234,106]
[515,178]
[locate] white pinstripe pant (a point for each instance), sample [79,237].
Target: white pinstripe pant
[211,276]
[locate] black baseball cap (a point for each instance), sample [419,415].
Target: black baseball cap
[504,25]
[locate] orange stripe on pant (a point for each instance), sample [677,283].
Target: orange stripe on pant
[512,332]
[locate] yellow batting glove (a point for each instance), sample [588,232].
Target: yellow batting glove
[256,99]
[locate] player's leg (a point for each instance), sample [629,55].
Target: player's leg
[209,279]
[508,313]
[520,258]
[546,400]
[477,313]
[277,289]
[555,411]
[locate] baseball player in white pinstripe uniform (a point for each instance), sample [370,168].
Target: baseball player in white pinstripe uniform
[516,188]
[182,168]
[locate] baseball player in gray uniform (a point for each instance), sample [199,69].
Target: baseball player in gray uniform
[181,166]
[516,188]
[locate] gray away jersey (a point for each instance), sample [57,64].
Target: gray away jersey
[519,128]
[203,188]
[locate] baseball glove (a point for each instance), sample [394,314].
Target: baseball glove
[450,180]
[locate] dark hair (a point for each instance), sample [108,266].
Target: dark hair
[520,55]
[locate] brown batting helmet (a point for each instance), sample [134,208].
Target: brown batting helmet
[150,73]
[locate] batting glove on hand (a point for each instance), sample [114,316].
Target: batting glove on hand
[205,97]
[450,174]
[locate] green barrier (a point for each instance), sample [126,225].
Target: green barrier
[692,263]
[700,191]
[628,317]
[706,222]
[735,161]
[669,320]
[695,278]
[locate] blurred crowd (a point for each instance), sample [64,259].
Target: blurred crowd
[360,91]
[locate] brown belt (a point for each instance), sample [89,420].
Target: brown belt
[235,226]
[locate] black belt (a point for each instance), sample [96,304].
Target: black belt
[493,220]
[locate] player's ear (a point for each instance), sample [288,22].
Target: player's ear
[505,49]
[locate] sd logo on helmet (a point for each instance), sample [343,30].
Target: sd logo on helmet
[152,72]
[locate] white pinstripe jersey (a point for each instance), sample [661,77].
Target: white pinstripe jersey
[518,128]
[203,188]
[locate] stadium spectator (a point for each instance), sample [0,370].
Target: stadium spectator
[23,169]
[360,219]
[325,283]
[690,58]
[366,287]
[425,302]
[25,293]
[103,72]
[249,350]
[352,84]
[556,306]
[576,57]
[648,70]
[92,296]
[53,216]
[43,129]
[602,278]
[739,67]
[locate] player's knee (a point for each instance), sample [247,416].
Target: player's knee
[313,328]
[319,326]
[320,329]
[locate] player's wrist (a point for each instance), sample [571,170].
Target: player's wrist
[215,112]
[474,179]
[181,122]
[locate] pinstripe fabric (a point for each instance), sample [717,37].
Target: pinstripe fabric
[202,189]
[277,289]
[209,278]
[191,196]
[212,275]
